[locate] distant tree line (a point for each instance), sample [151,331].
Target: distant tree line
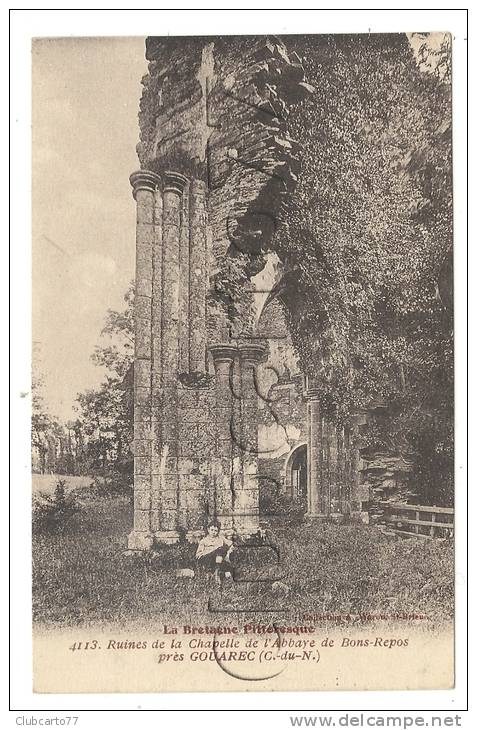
[98,441]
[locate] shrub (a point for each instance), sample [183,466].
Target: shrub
[274,504]
[53,513]
[114,483]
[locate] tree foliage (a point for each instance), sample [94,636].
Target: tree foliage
[53,449]
[106,413]
[367,236]
[41,421]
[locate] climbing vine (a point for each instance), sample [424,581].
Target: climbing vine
[366,240]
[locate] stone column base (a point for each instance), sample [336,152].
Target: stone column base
[167,537]
[140,540]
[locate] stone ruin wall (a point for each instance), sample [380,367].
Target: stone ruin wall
[216,162]
[336,481]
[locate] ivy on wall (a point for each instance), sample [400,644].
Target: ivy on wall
[366,241]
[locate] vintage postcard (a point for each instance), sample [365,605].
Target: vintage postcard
[243,416]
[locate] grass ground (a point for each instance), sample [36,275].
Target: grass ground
[83,577]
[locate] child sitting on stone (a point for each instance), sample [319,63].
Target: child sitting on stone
[213,553]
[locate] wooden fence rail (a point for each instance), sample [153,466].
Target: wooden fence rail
[414,520]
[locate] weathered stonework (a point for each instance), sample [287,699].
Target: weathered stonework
[217,163]
[291,417]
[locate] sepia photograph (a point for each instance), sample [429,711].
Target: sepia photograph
[242,431]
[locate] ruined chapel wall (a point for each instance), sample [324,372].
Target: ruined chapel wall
[213,138]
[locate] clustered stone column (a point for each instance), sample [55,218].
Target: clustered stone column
[157,333]
[225,364]
[184,268]
[165,474]
[359,490]
[235,465]
[318,503]
[246,493]
[144,190]
[330,462]
[156,365]
[195,432]
[197,277]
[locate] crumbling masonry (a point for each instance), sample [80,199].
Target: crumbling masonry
[216,164]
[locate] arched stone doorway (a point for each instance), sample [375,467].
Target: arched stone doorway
[296,475]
